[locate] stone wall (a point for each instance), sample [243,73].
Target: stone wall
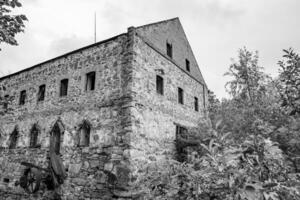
[131,124]
[156,115]
[172,32]
[92,169]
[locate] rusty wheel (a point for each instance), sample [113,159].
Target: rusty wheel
[31,180]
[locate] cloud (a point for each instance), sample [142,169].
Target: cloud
[215,29]
[66,44]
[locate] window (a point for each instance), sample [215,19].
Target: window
[159,85]
[64,87]
[181,151]
[187,65]
[56,137]
[90,81]
[41,93]
[5,102]
[22,97]
[13,139]
[34,136]
[180,96]
[84,135]
[169,50]
[196,105]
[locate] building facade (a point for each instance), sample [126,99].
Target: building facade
[109,109]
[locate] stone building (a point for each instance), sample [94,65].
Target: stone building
[111,108]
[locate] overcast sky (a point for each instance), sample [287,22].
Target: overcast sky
[216,29]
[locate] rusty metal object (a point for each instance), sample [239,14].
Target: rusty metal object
[34,175]
[31,180]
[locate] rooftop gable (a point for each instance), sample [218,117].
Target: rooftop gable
[171,32]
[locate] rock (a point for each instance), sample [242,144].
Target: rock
[75,168]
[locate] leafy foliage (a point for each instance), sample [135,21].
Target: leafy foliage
[251,149]
[10,24]
[289,81]
[248,78]
[252,170]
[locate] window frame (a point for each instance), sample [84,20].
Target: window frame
[169,48]
[63,93]
[39,99]
[84,132]
[13,140]
[23,96]
[34,133]
[187,65]
[180,94]
[196,104]
[181,152]
[159,85]
[90,81]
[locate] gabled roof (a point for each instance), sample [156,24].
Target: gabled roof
[172,31]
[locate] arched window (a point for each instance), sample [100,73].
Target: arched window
[34,133]
[84,134]
[55,136]
[14,138]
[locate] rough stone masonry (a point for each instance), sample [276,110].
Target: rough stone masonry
[112,108]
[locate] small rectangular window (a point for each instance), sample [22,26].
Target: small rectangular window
[180,96]
[22,97]
[5,102]
[181,152]
[196,104]
[159,85]
[64,87]
[41,93]
[13,139]
[90,81]
[187,65]
[169,50]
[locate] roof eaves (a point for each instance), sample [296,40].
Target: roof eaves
[61,56]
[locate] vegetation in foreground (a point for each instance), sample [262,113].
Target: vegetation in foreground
[250,148]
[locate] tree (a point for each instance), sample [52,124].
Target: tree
[10,24]
[289,81]
[248,77]
[213,105]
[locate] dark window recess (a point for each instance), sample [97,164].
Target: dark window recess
[169,50]
[84,135]
[64,87]
[34,136]
[159,85]
[5,102]
[55,137]
[180,96]
[13,139]
[187,65]
[181,151]
[41,93]
[6,180]
[196,104]
[22,97]
[90,81]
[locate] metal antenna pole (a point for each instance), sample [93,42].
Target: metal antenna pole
[95,28]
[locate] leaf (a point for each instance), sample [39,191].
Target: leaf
[218,123]
[271,196]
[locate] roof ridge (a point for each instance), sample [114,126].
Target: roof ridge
[159,22]
[61,56]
